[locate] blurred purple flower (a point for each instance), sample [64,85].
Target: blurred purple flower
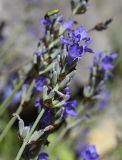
[67,25]
[75,51]
[105,97]
[46,21]
[81,32]
[16,98]
[47,118]
[40,82]
[75,36]
[107,61]
[70,107]
[67,91]
[85,132]
[43,156]
[89,152]
[72,42]
[39,53]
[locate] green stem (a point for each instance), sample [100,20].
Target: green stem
[29,135]
[49,67]
[9,125]
[7,101]
[11,122]
[70,126]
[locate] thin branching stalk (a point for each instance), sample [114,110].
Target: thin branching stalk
[8,100]
[70,126]
[10,124]
[29,135]
[19,110]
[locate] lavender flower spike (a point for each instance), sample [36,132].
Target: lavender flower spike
[89,153]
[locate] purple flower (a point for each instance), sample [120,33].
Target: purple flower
[97,58]
[72,42]
[47,118]
[43,156]
[75,51]
[75,36]
[87,42]
[89,153]
[8,91]
[67,25]
[40,82]
[85,132]
[38,102]
[67,91]
[105,97]
[16,98]
[81,32]
[39,53]
[70,107]
[107,61]
[104,64]
[46,21]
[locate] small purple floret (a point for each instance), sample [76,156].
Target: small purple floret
[47,118]
[43,156]
[67,91]
[70,107]
[40,82]
[72,42]
[75,51]
[68,24]
[89,152]
[46,22]
[107,61]
[39,53]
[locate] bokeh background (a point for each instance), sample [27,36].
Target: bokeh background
[20,31]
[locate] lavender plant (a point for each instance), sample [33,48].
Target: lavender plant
[44,87]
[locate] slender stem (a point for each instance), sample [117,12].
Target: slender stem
[29,135]
[48,68]
[36,122]
[11,122]
[7,101]
[76,9]
[76,123]
[70,126]
[9,125]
